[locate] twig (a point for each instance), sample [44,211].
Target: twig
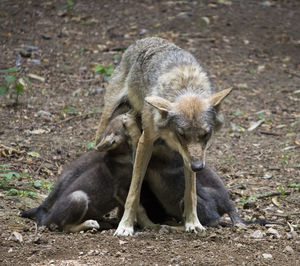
[292,73]
[38,170]
[273,194]
[269,133]
[76,117]
[82,80]
[36,228]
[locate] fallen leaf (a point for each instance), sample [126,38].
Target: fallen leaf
[225,2]
[33,154]
[16,236]
[275,201]
[254,125]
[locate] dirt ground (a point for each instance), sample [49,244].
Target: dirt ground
[253,46]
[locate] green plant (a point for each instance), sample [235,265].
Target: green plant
[106,71]
[69,109]
[69,3]
[261,116]
[296,186]
[281,190]
[43,184]
[238,112]
[13,81]
[91,145]
[246,200]
[21,193]
[6,176]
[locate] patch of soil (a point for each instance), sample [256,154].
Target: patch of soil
[253,46]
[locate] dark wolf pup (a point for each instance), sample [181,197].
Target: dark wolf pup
[167,87]
[91,186]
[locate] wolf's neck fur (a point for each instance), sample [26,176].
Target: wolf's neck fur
[183,80]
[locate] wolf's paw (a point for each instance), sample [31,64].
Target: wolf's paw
[194,227]
[123,230]
[91,224]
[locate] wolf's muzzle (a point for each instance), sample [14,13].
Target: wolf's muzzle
[197,166]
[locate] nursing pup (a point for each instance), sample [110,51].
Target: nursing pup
[167,87]
[91,186]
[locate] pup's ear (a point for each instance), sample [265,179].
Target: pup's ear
[161,104]
[218,97]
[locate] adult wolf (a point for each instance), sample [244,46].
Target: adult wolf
[167,87]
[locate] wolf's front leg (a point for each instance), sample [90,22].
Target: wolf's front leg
[143,155]
[192,223]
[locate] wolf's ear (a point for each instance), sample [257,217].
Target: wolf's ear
[161,104]
[218,97]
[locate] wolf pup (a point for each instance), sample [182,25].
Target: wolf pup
[91,186]
[165,178]
[167,87]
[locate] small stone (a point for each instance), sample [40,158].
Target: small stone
[118,254]
[288,236]
[246,42]
[266,4]
[76,92]
[257,234]
[143,31]
[267,256]
[42,113]
[288,249]
[268,175]
[121,242]
[294,234]
[90,252]
[164,230]
[272,231]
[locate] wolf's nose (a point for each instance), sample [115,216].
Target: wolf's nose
[197,166]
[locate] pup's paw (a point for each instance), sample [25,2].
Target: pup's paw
[123,230]
[91,224]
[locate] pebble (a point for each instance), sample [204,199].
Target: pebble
[164,230]
[257,234]
[267,256]
[42,113]
[288,249]
[272,231]
[143,31]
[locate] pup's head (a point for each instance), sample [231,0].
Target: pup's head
[114,135]
[188,123]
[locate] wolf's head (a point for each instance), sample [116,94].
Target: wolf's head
[188,124]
